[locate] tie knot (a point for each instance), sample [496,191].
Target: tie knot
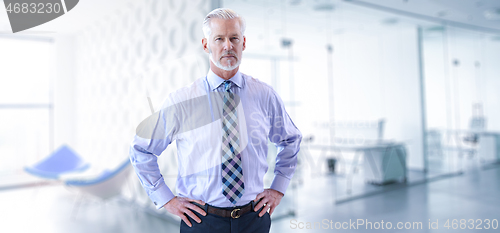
[227,85]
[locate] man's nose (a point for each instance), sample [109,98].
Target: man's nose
[228,45]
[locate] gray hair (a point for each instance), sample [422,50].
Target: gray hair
[222,13]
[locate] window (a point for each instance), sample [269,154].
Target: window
[25,102]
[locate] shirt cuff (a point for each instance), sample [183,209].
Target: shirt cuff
[280,183]
[161,196]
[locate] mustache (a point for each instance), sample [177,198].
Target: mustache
[229,53]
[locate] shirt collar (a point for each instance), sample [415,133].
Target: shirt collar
[215,81]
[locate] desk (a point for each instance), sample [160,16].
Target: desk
[487,146]
[385,161]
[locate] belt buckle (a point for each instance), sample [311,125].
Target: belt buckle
[235,214]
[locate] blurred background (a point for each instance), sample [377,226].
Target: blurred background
[397,101]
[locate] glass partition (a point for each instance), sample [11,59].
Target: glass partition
[383,100]
[461,90]
[350,81]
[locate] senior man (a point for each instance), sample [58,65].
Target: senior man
[221,124]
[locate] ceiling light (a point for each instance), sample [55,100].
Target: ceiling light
[323,5]
[435,29]
[492,14]
[390,21]
[442,14]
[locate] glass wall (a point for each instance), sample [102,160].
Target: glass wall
[379,97]
[350,79]
[461,82]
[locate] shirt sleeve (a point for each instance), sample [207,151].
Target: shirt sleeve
[287,137]
[153,135]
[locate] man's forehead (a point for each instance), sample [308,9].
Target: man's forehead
[224,34]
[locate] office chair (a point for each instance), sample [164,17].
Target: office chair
[63,160]
[477,124]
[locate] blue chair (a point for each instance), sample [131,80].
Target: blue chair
[63,160]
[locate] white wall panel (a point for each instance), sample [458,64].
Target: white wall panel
[149,45]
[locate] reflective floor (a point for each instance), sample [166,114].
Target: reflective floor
[472,197]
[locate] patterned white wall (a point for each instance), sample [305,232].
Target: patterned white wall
[148,45]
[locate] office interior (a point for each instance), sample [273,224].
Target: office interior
[397,102]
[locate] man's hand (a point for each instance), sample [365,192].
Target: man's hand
[270,199]
[182,206]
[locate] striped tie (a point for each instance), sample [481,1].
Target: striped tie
[232,174]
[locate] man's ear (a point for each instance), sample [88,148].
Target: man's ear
[204,42]
[244,43]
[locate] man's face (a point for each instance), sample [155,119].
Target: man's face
[225,44]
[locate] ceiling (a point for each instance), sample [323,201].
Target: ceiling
[468,14]
[480,14]
[462,13]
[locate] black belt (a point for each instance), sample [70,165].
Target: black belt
[235,212]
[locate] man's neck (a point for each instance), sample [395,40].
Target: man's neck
[224,74]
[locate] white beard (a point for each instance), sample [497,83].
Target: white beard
[218,64]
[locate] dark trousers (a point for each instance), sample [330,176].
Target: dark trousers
[247,223]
